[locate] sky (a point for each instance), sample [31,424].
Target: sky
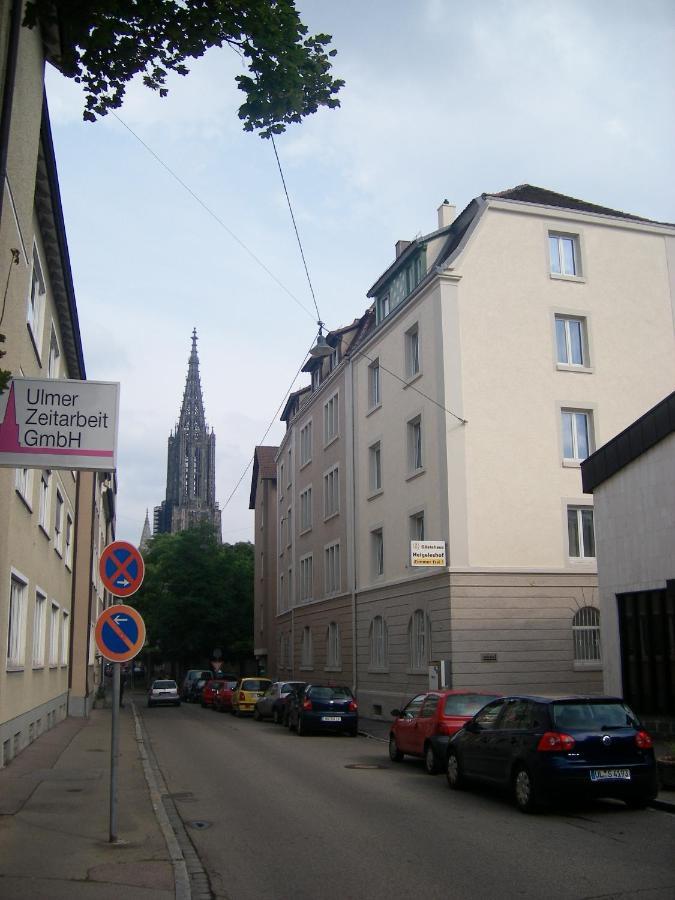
[177,219]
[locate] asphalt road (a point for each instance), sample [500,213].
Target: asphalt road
[288,819]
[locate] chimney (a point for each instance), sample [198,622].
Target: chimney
[400,247]
[446,214]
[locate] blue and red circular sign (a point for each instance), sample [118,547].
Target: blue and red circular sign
[121,568]
[120,632]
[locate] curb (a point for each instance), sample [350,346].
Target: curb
[663,805]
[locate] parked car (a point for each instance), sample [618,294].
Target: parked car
[320,708]
[273,702]
[424,726]
[191,676]
[212,687]
[222,702]
[542,747]
[163,692]
[194,694]
[246,693]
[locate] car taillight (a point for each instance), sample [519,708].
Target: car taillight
[643,740]
[353,706]
[242,696]
[306,703]
[554,741]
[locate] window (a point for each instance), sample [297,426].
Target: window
[39,621]
[69,541]
[54,355]
[289,526]
[332,569]
[418,642]
[54,635]
[316,377]
[375,467]
[429,706]
[564,253]
[306,579]
[65,638]
[282,651]
[333,651]
[415,459]
[374,395]
[412,351]
[23,482]
[36,300]
[577,431]
[571,341]
[580,531]
[45,478]
[306,653]
[331,493]
[306,444]
[417,527]
[330,419]
[306,510]
[16,639]
[586,636]
[382,307]
[289,598]
[290,467]
[379,644]
[282,591]
[281,482]
[334,358]
[58,523]
[377,552]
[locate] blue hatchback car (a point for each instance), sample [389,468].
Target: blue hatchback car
[317,707]
[543,747]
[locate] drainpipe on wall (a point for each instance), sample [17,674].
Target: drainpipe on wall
[351,518]
[8,93]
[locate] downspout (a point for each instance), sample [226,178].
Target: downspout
[8,94]
[351,524]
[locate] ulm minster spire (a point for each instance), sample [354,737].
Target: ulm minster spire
[191,471]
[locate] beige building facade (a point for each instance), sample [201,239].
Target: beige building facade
[498,352]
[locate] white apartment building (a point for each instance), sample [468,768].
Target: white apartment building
[501,349]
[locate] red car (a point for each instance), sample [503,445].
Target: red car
[212,688]
[424,726]
[222,702]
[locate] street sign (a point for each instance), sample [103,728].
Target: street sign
[120,633]
[121,568]
[427,553]
[59,423]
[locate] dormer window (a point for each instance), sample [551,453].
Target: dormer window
[334,358]
[316,378]
[401,284]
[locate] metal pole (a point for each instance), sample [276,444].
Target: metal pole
[114,752]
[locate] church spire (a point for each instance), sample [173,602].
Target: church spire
[146,534]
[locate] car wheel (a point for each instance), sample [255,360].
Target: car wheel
[300,729]
[453,772]
[430,763]
[256,715]
[276,717]
[525,791]
[395,754]
[353,733]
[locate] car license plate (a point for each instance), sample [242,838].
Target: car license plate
[331,718]
[610,774]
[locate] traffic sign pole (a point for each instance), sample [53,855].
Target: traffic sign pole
[114,751]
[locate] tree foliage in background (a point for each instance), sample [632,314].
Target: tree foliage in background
[106,42]
[197,595]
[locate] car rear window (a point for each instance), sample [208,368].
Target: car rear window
[592,715]
[165,684]
[254,684]
[466,704]
[327,693]
[292,686]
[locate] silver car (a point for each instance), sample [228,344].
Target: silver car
[163,691]
[273,703]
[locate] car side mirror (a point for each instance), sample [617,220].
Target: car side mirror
[396,713]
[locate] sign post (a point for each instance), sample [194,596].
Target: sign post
[120,635]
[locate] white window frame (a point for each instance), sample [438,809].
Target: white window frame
[16,630]
[289,526]
[289,588]
[306,444]
[58,522]
[331,493]
[576,541]
[379,645]
[416,534]
[39,628]
[45,488]
[36,302]
[568,414]
[54,635]
[374,385]
[306,578]
[567,321]
[418,641]
[307,655]
[415,445]
[558,264]
[333,648]
[53,364]
[65,637]
[586,637]
[23,482]
[69,540]
[306,509]
[377,552]
[331,568]
[413,364]
[375,468]
[331,420]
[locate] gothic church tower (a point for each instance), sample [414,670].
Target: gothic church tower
[191,465]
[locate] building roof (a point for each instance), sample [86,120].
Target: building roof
[264,466]
[630,444]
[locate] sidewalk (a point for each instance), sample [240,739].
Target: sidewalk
[379,730]
[55,825]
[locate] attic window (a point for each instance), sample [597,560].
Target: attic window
[402,284]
